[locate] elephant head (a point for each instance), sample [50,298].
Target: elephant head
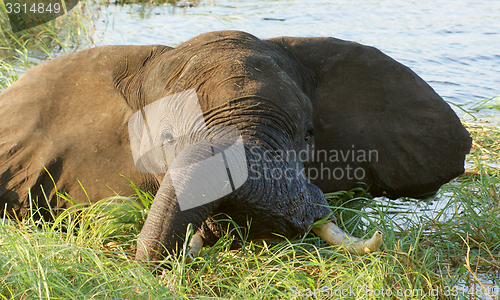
[229,124]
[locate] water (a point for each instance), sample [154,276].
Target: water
[453,44]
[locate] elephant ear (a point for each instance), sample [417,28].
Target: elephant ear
[378,122]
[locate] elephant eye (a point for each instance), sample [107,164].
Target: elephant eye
[309,135]
[168,138]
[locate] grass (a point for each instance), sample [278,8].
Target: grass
[71,32]
[87,252]
[23,50]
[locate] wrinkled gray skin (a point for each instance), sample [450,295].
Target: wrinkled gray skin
[70,116]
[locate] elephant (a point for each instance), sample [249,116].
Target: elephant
[282,120]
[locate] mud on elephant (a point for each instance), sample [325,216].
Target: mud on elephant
[226,123]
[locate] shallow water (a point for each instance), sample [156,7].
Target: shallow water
[453,44]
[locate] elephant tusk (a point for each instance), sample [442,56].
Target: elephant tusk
[333,235]
[194,247]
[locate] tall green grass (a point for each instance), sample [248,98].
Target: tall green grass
[88,253]
[23,50]
[71,32]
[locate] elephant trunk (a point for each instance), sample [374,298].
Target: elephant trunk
[197,179]
[166,224]
[333,235]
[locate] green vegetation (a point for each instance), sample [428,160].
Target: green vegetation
[71,32]
[87,252]
[23,50]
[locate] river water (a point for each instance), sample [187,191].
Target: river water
[453,44]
